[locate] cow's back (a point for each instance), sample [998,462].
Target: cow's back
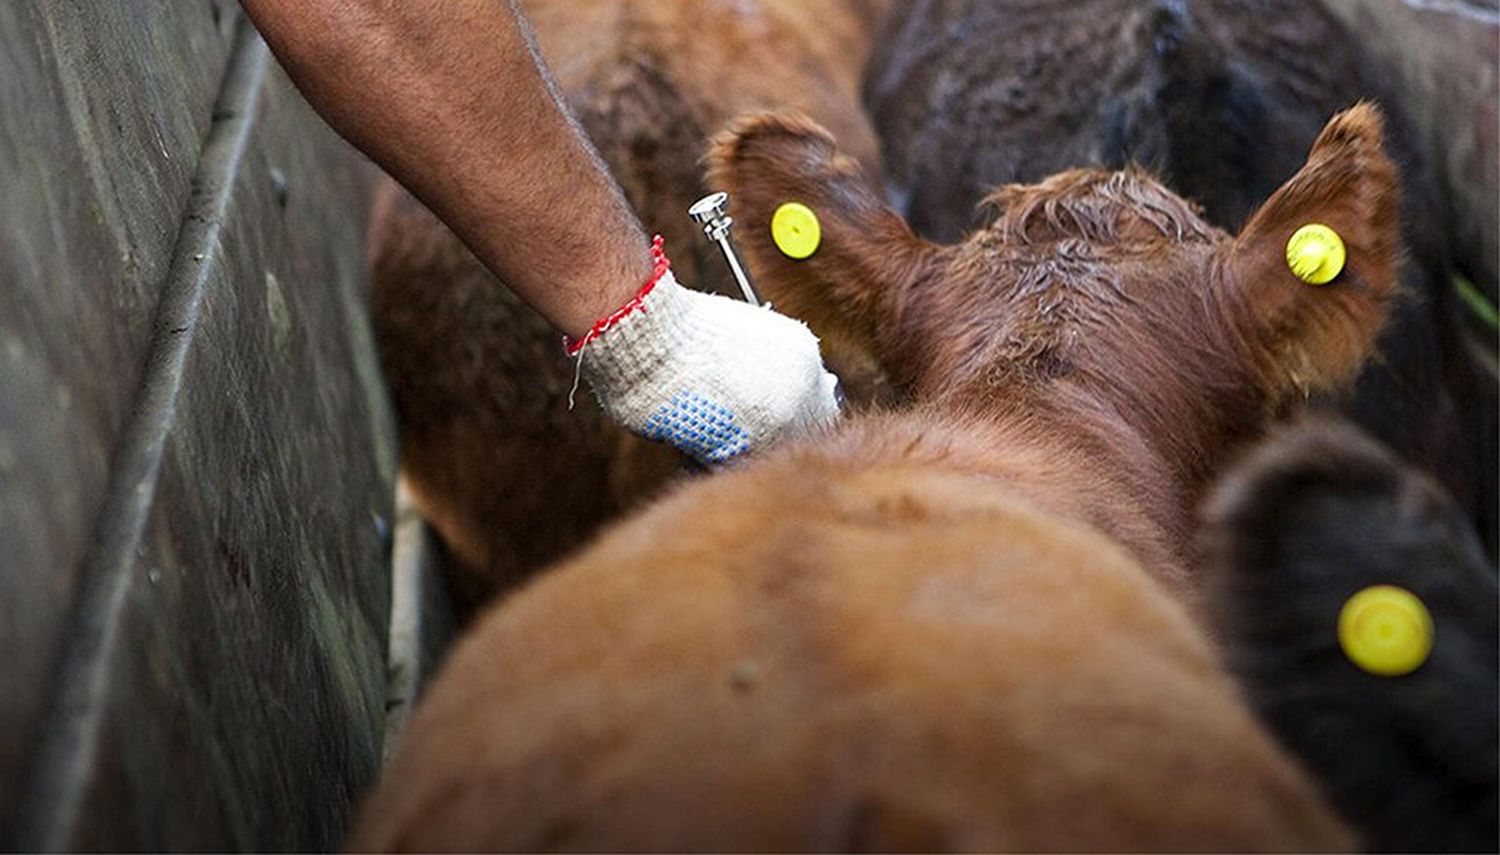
[1221,99]
[840,654]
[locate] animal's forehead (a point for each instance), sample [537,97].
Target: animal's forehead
[1098,208]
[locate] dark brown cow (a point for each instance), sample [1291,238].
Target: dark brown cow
[510,477]
[1216,97]
[959,625]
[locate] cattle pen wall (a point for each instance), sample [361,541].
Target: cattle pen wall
[196,451]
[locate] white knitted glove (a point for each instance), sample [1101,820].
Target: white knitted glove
[713,376]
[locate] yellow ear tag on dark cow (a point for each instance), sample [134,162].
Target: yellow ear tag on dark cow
[1386,631]
[795,229]
[1316,254]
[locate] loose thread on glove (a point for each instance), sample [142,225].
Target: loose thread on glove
[577,373]
[660,264]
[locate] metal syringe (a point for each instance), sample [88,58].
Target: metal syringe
[710,213]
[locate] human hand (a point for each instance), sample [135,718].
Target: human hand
[714,377]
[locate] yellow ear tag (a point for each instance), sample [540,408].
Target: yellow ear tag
[1386,631]
[795,229]
[1315,253]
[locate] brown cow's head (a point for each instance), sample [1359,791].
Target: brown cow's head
[1095,290]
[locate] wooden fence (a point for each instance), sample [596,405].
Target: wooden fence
[196,452]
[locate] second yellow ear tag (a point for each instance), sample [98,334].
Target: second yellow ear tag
[1386,631]
[795,229]
[1316,254]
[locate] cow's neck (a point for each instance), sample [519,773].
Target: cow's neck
[1078,459]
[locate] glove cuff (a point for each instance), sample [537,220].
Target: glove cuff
[627,349]
[660,267]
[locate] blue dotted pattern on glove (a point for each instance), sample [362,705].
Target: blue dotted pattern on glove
[699,427]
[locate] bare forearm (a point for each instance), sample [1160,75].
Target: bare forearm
[448,97]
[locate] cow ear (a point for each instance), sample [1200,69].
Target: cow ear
[1316,336]
[847,283]
[1312,516]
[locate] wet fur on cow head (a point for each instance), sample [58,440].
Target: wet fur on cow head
[1094,295]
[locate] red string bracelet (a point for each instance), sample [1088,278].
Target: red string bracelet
[659,265]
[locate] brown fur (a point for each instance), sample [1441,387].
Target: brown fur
[957,626]
[1094,304]
[652,80]
[1219,98]
[508,476]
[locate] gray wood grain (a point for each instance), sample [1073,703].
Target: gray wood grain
[199,537]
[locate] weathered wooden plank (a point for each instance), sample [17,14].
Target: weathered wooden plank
[422,621]
[220,682]
[103,107]
[247,704]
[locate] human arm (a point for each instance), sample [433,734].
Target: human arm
[451,98]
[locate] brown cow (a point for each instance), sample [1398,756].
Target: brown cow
[1215,96]
[955,626]
[497,462]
